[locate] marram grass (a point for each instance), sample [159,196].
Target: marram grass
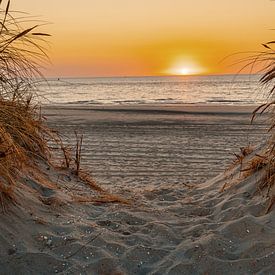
[23,135]
[264,162]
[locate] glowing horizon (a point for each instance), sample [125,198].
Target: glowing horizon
[157,37]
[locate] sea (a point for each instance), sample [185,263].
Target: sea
[218,89]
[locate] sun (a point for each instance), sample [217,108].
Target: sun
[185,71]
[184,66]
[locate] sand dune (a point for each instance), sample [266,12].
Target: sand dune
[166,229]
[163,231]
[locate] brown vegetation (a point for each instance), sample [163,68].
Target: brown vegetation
[263,162]
[267,159]
[24,137]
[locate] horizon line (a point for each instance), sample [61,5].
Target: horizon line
[137,76]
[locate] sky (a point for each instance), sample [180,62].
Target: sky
[151,37]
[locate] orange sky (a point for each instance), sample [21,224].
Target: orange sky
[150,37]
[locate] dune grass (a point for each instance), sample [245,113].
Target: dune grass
[264,161]
[23,135]
[25,140]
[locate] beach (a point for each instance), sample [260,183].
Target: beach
[138,140]
[143,145]
[173,218]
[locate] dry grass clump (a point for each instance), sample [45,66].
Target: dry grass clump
[244,152]
[265,165]
[255,164]
[23,136]
[22,140]
[265,161]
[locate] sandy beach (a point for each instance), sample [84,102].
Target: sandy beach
[137,137]
[161,160]
[140,145]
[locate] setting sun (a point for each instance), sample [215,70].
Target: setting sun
[184,66]
[185,71]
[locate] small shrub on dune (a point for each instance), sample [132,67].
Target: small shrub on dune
[265,162]
[23,136]
[267,58]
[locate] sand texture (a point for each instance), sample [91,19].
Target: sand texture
[61,226]
[138,146]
